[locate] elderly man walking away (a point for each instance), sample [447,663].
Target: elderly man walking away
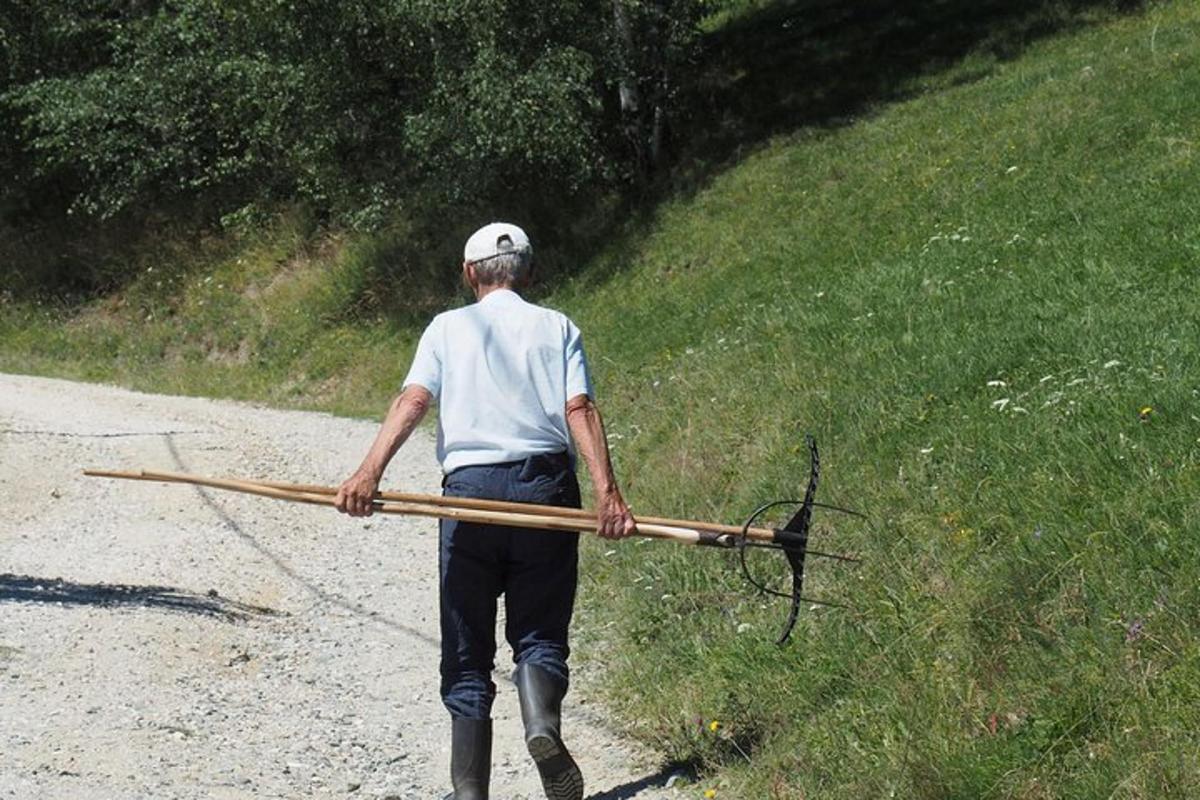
[512,386]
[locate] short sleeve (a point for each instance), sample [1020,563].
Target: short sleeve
[426,369]
[579,379]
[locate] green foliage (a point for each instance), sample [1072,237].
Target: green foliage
[350,106]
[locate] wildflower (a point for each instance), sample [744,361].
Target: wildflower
[710,793]
[1145,412]
[714,726]
[1134,631]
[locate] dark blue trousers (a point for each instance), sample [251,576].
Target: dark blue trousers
[536,571]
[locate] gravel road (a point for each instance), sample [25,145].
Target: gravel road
[163,641]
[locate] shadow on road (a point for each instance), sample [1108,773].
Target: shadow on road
[285,568]
[28,589]
[629,791]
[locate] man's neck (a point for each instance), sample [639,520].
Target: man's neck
[483,291]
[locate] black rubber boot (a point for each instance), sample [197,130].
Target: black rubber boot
[470,758]
[541,710]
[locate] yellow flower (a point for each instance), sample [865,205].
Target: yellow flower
[710,793]
[1146,412]
[713,726]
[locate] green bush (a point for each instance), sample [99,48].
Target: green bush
[351,106]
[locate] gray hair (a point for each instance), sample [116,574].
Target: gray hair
[504,268]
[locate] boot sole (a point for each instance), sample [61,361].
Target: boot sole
[561,777]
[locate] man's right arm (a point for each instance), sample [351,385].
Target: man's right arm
[613,518]
[356,495]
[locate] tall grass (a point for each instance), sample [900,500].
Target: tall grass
[981,299]
[982,303]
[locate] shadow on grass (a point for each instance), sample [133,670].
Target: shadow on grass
[27,589]
[820,63]
[816,65]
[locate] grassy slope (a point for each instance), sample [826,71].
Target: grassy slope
[1028,610]
[968,299]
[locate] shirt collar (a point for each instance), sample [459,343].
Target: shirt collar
[501,296]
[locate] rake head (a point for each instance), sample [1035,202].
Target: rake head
[792,539]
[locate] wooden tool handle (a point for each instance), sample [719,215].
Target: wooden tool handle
[757,534]
[522,519]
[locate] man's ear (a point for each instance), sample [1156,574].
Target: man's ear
[469,278]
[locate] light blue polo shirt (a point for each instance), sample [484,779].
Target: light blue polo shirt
[501,371]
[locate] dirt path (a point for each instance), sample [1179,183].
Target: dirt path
[168,642]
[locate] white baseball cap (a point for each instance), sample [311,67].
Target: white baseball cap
[494,239]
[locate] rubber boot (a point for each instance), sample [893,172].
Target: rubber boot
[541,710]
[470,758]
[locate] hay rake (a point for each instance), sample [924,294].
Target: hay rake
[792,539]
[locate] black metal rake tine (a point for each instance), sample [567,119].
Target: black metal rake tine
[809,551]
[792,539]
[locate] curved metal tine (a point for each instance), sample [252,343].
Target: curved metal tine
[795,612]
[827,506]
[842,509]
[809,551]
[829,603]
[793,615]
[799,524]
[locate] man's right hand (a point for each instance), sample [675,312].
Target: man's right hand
[357,495]
[614,520]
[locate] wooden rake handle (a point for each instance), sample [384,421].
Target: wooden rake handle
[757,534]
[491,512]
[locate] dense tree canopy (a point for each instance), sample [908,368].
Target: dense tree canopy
[111,105]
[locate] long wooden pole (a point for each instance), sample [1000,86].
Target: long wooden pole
[495,512]
[758,534]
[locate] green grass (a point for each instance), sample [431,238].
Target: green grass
[969,296]
[276,318]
